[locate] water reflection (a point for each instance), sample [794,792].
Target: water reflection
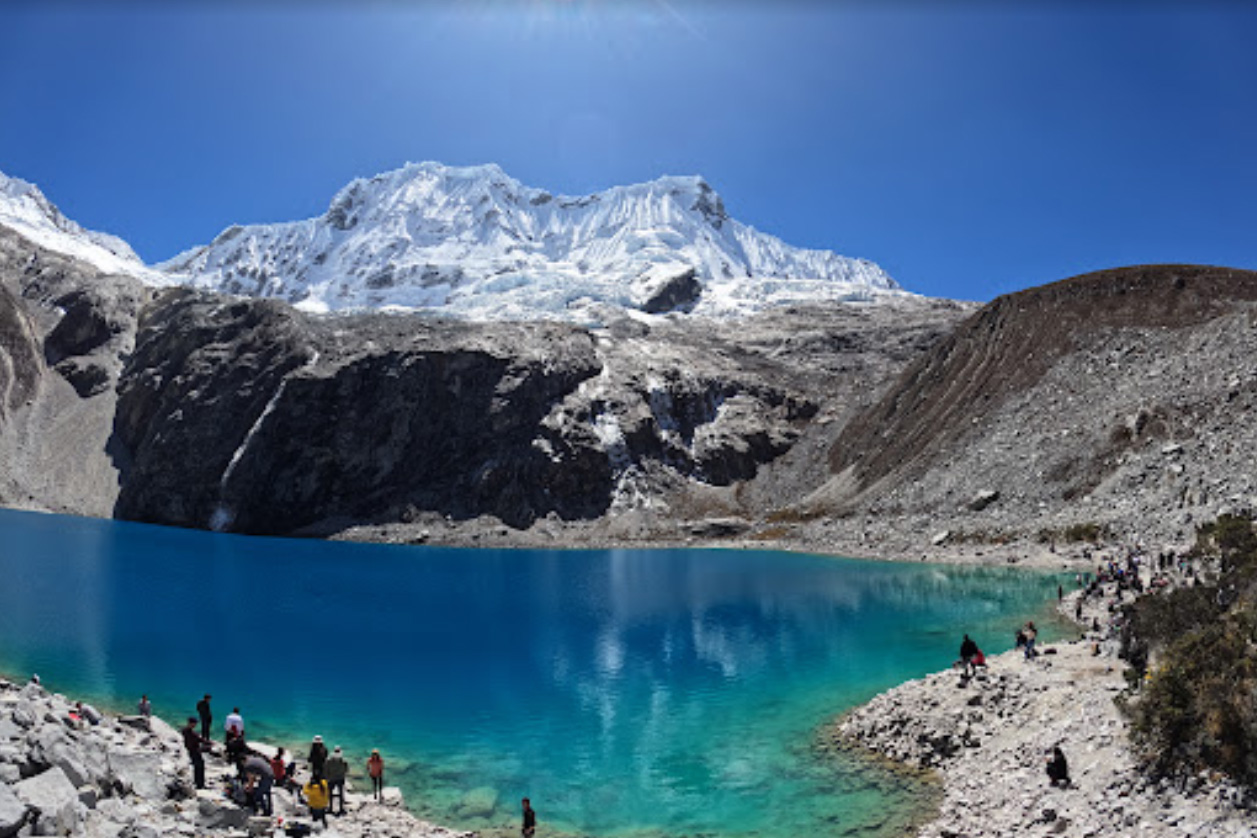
[630,690]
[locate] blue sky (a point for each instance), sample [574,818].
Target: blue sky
[971,149]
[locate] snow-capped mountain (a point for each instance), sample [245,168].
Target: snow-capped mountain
[474,242]
[24,209]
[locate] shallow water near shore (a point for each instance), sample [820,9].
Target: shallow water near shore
[627,692]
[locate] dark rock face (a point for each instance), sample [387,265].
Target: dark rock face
[201,375]
[198,410]
[444,418]
[456,431]
[680,293]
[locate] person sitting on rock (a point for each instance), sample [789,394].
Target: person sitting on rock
[87,713]
[1057,768]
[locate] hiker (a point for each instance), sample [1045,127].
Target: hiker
[203,710]
[193,743]
[318,756]
[234,724]
[279,770]
[967,650]
[236,748]
[255,767]
[375,768]
[145,707]
[316,798]
[88,713]
[1057,768]
[1030,633]
[530,820]
[335,770]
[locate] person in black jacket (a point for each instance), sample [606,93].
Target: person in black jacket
[967,650]
[203,710]
[1057,768]
[193,743]
[318,757]
[530,820]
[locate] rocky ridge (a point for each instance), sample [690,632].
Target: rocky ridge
[129,777]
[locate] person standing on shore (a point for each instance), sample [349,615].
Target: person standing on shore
[318,756]
[1057,768]
[529,827]
[145,707]
[316,799]
[967,650]
[207,717]
[234,724]
[193,742]
[335,770]
[1030,633]
[375,768]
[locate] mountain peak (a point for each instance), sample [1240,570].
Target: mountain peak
[472,241]
[25,209]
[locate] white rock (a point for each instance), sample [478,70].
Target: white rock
[57,800]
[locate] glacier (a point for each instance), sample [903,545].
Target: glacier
[25,210]
[475,243]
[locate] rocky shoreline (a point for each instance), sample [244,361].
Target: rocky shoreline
[129,777]
[985,741]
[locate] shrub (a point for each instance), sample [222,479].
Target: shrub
[1198,706]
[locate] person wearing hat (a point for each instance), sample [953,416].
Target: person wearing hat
[318,756]
[335,770]
[375,768]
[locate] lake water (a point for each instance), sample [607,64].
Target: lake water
[627,692]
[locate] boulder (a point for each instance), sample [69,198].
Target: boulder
[680,292]
[13,813]
[983,499]
[53,746]
[391,796]
[215,812]
[9,730]
[57,800]
[140,773]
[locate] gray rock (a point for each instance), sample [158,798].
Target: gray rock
[14,812]
[140,772]
[213,812]
[57,800]
[9,730]
[983,499]
[88,796]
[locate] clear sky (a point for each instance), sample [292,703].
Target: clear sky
[971,149]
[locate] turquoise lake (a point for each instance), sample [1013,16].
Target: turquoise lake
[627,692]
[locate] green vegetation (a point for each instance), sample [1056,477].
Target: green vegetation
[1195,653]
